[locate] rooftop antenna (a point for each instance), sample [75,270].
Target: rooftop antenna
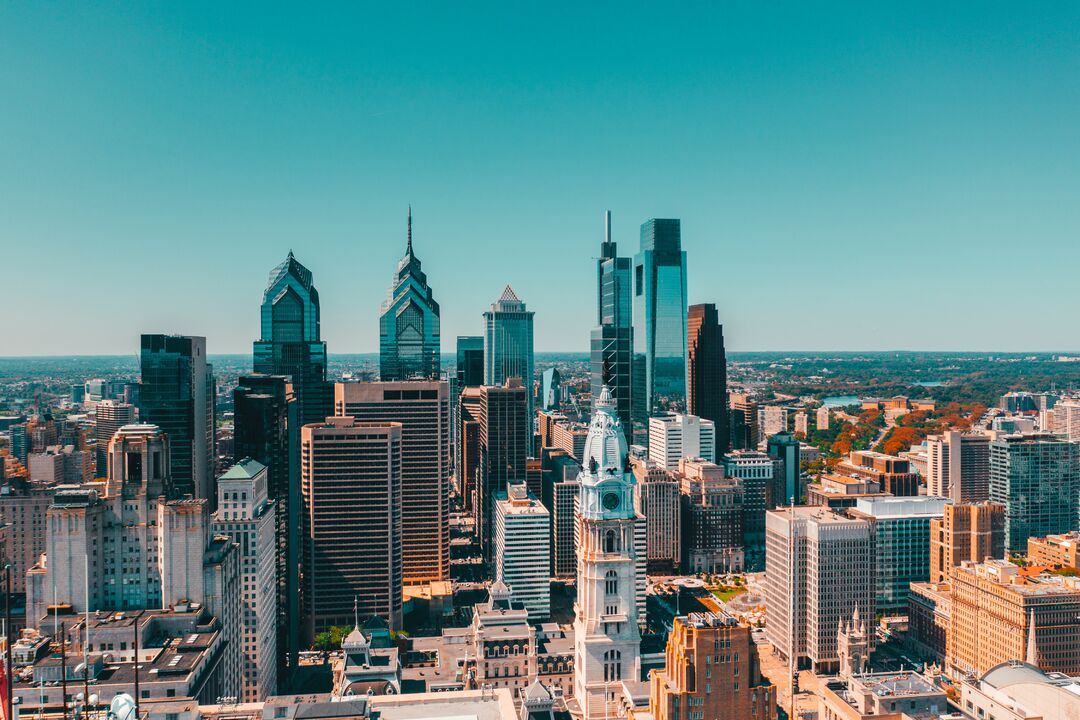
[408,247]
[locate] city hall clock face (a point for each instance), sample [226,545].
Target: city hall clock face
[611,501]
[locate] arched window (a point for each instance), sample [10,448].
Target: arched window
[611,583]
[612,666]
[611,542]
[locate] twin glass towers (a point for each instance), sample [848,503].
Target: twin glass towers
[638,348]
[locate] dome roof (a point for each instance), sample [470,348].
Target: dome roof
[605,446]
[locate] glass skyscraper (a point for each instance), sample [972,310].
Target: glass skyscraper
[706,370]
[409,339]
[660,316]
[291,343]
[508,345]
[177,395]
[470,360]
[611,343]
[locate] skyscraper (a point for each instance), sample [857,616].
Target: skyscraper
[744,422]
[958,466]
[470,360]
[351,522]
[550,389]
[965,532]
[508,346]
[266,418]
[612,340]
[111,416]
[660,315]
[1037,479]
[422,408]
[504,447]
[706,370]
[177,395]
[674,437]
[291,343]
[523,549]
[409,338]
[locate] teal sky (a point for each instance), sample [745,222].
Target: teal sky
[849,176]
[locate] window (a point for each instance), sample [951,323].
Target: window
[612,666]
[611,542]
[611,583]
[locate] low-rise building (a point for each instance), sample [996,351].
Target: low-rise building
[881,696]
[1055,550]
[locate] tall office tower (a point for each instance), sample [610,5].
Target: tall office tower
[712,512]
[958,466]
[550,389]
[607,643]
[998,616]
[350,475]
[177,395]
[266,421]
[467,455]
[23,506]
[820,565]
[611,343]
[20,443]
[1066,419]
[892,473]
[111,416]
[508,347]
[247,515]
[965,532]
[694,678]
[706,371]
[504,447]
[755,471]
[744,422]
[409,336]
[657,499]
[559,495]
[423,410]
[470,360]
[783,448]
[1037,479]
[673,437]
[523,550]
[902,538]
[291,342]
[660,315]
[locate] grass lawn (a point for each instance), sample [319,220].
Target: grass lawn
[726,592]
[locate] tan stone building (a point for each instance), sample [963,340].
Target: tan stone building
[966,532]
[1058,550]
[712,671]
[999,615]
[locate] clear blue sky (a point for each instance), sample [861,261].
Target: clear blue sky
[849,176]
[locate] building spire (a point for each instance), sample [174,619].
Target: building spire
[1032,647]
[408,247]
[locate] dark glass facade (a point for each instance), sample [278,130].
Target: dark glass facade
[290,343]
[409,332]
[470,361]
[267,429]
[706,371]
[508,347]
[177,395]
[660,315]
[611,342]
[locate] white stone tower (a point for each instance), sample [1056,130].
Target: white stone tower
[607,642]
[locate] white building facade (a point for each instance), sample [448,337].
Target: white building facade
[673,437]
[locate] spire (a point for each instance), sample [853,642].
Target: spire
[1032,646]
[356,612]
[408,246]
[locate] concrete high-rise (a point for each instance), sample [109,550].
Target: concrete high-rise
[712,518]
[658,500]
[1037,478]
[965,532]
[673,437]
[467,473]
[177,395]
[409,334]
[23,506]
[755,472]
[350,523]
[660,316]
[111,416]
[559,494]
[819,565]
[706,371]
[246,514]
[504,448]
[522,536]
[783,448]
[745,432]
[423,410]
[612,340]
[508,347]
[291,341]
[711,670]
[958,466]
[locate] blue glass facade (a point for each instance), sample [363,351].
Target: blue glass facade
[660,316]
[508,345]
[611,342]
[409,333]
[290,344]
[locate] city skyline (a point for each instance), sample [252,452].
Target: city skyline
[808,151]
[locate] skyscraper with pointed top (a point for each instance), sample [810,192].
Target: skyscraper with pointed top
[508,345]
[612,340]
[291,343]
[409,339]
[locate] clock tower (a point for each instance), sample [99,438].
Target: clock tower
[607,643]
